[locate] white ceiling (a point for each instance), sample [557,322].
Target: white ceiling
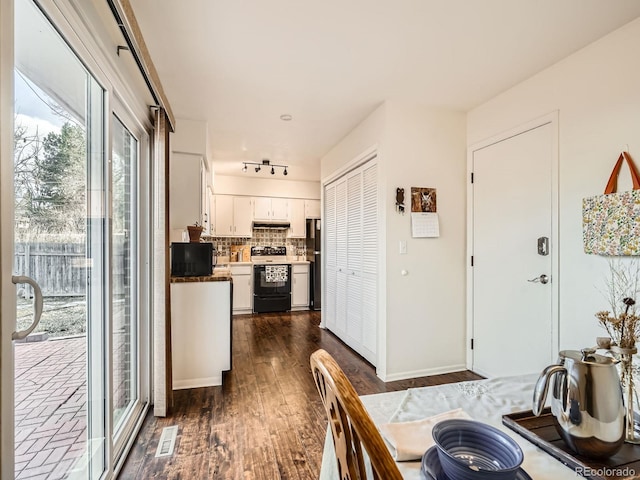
[240,64]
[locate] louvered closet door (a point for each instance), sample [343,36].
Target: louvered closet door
[354,258]
[341,257]
[351,233]
[329,305]
[370,254]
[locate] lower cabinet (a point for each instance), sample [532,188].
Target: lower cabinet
[300,287]
[242,288]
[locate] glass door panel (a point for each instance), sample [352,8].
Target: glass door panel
[124,238]
[59,239]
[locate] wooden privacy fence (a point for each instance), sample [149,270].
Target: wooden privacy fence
[61,269]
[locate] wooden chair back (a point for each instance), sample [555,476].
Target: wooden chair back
[351,426]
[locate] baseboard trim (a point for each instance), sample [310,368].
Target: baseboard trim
[424,373]
[198,382]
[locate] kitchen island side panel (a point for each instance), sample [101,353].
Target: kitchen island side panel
[201,333]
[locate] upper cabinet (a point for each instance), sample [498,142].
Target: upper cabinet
[187,191]
[223,216]
[242,216]
[297,228]
[232,216]
[190,178]
[312,209]
[267,209]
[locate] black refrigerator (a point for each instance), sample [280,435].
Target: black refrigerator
[315,266]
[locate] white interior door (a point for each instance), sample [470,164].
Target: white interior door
[512,213]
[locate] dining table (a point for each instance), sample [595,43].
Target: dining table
[483,400]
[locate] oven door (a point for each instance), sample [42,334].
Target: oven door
[271,280]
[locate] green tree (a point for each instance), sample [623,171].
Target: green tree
[51,192]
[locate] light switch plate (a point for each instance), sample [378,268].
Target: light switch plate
[403,247]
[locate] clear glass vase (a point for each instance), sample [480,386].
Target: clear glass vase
[627,375]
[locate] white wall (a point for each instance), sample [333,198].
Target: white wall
[190,137]
[425,309]
[368,133]
[422,314]
[265,187]
[597,94]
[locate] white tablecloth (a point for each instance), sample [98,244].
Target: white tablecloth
[483,400]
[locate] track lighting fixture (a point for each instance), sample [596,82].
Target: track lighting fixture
[265,163]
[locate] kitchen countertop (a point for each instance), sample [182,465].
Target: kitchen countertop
[225,263]
[223,276]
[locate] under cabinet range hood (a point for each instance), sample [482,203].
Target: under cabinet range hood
[272,225]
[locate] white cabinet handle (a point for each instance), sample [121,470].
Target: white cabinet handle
[37,306]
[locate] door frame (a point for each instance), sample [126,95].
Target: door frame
[552,119]
[136,415]
[7,301]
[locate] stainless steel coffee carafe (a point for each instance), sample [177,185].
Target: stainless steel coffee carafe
[586,402]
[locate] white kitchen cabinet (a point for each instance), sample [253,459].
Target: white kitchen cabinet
[280,209]
[187,190]
[243,216]
[300,286]
[223,216]
[242,288]
[297,228]
[233,216]
[312,209]
[267,209]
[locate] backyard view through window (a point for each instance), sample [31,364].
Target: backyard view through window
[58,158]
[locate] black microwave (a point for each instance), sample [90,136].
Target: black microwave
[191,259]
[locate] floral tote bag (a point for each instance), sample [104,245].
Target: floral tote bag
[611,222]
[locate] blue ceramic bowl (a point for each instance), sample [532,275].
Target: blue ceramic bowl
[470,450]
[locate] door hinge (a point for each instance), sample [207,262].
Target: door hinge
[472,260]
[471,177]
[472,344]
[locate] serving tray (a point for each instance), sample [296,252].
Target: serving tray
[624,465]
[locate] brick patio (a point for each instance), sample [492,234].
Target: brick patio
[50,407]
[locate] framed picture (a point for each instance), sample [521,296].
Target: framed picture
[423,199]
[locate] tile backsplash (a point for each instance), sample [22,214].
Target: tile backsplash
[261,237]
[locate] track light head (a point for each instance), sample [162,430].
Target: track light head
[244,169]
[257,169]
[272,171]
[285,171]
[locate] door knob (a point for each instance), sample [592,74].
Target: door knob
[541,279]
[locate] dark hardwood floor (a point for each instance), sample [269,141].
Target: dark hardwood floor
[267,421]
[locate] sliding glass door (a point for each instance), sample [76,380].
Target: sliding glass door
[81,251]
